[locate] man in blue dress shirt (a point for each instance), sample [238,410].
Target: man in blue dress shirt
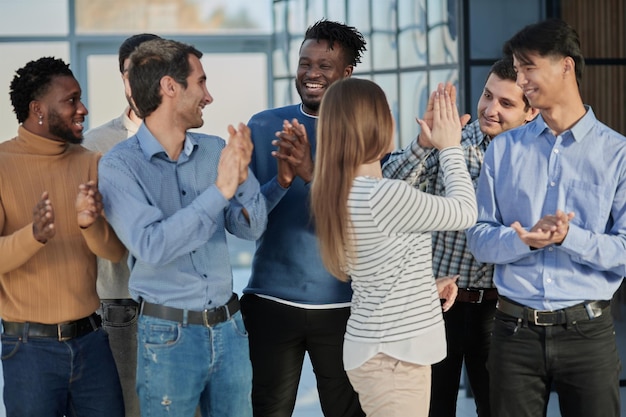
[171,195]
[552,218]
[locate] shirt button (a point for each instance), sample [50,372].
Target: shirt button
[240,195]
[556,151]
[550,249]
[183,192]
[549,280]
[552,184]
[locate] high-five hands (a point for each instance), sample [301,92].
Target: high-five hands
[550,229]
[424,137]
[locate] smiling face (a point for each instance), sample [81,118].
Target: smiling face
[542,78]
[195,97]
[62,110]
[318,67]
[501,107]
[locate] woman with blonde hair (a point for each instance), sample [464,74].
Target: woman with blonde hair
[376,233]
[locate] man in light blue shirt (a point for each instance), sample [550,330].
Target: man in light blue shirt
[171,195]
[552,218]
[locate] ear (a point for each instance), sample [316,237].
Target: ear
[35,108]
[168,86]
[569,66]
[531,114]
[347,71]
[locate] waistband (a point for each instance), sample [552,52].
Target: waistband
[580,312]
[61,332]
[476,295]
[124,302]
[206,318]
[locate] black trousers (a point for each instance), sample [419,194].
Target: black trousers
[279,335]
[579,360]
[468,335]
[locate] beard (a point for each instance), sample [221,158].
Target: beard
[313,105]
[58,128]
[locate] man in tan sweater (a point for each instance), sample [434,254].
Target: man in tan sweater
[56,358]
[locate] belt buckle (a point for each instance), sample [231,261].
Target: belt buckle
[481,293]
[536,319]
[205,317]
[60,336]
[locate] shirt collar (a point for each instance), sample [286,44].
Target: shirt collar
[578,131]
[151,147]
[128,124]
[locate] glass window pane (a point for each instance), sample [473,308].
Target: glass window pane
[105,89]
[173,16]
[359,15]
[336,10]
[412,37]
[413,100]
[315,11]
[15,56]
[33,17]
[389,84]
[442,35]
[384,51]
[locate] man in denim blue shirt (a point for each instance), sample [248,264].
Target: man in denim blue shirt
[171,195]
[552,218]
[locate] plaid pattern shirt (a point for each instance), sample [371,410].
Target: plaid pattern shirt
[420,167]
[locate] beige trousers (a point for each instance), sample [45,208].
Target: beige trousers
[388,387]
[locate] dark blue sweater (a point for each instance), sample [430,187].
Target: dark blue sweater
[287,264]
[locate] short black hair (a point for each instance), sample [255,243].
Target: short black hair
[128,46]
[153,60]
[32,81]
[351,40]
[552,37]
[504,69]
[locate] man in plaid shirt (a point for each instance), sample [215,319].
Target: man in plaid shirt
[469,322]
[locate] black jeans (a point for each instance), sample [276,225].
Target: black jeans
[119,319]
[580,360]
[468,335]
[279,335]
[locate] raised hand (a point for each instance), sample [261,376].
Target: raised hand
[295,149]
[88,204]
[43,219]
[424,136]
[446,130]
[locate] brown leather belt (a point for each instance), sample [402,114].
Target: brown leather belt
[61,331]
[205,317]
[579,312]
[476,295]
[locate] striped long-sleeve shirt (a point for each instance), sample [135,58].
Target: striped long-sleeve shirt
[420,166]
[395,296]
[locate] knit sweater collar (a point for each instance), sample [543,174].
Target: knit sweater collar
[35,144]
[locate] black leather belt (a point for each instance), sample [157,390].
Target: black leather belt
[579,312]
[61,331]
[206,317]
[476,295]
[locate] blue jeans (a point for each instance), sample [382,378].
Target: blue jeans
[76,378]
[182,365]
[579,360]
